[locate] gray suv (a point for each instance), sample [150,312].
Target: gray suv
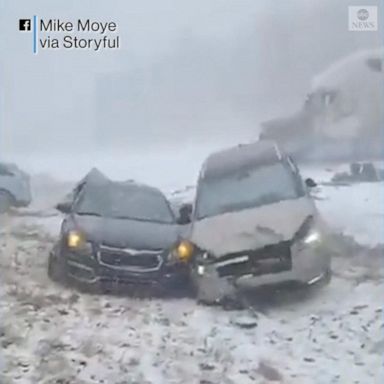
[255,223]
[15,190]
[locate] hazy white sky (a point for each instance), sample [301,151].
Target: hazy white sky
[187,70]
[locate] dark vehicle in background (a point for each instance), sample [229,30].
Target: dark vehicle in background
[366,172]
[254,224]
[119,232]
[15,189]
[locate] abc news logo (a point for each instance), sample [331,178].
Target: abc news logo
[363,18]
[25,25]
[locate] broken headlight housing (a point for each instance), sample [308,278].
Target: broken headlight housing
[307,234]
[201,260]
[313,237]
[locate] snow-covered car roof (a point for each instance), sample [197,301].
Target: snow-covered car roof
[253,154]
[13,168]
[129,185]
[93,176]
[95,179]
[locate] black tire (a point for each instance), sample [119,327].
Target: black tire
[201,297]
[319,285]
[5,202]
[57,269]
[227,301]
[327,277]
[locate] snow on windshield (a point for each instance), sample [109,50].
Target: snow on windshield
[246,189]
[122,200]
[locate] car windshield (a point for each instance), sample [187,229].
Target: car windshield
[246,189]
[124,201]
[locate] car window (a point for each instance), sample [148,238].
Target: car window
[124,201]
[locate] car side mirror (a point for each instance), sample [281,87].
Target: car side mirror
[64,207]
[185,213]
[310,183]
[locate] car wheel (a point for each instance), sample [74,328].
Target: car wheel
[228,303]
[327,277]
[57,269]
[325,280]
[206,298]
[202,297]
[5,202]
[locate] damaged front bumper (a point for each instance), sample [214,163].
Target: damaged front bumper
[302,265]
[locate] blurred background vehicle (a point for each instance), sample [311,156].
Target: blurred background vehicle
[341,119]
[15,189]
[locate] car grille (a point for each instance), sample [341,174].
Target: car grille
[130,259]
[270,259]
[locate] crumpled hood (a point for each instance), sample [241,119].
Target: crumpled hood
[122,233]
[251,228]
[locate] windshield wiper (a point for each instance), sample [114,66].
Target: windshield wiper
[88,214]
[141,219]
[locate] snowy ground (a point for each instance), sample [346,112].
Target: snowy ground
[51,334]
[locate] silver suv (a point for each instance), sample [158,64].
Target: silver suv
[15,190]
[254,223]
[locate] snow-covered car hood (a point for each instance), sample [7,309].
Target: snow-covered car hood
[123,233]
[251,228]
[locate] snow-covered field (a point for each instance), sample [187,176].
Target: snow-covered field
[50,334]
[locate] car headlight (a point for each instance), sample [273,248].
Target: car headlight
[183,252]
[200,270]
[308,232]
[312,238]
[77,241]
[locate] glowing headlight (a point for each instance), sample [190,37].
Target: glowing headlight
[184,251]
[313,237]
[200,270]
[75,239]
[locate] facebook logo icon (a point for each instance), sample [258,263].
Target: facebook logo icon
[25,25]
[30,25]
